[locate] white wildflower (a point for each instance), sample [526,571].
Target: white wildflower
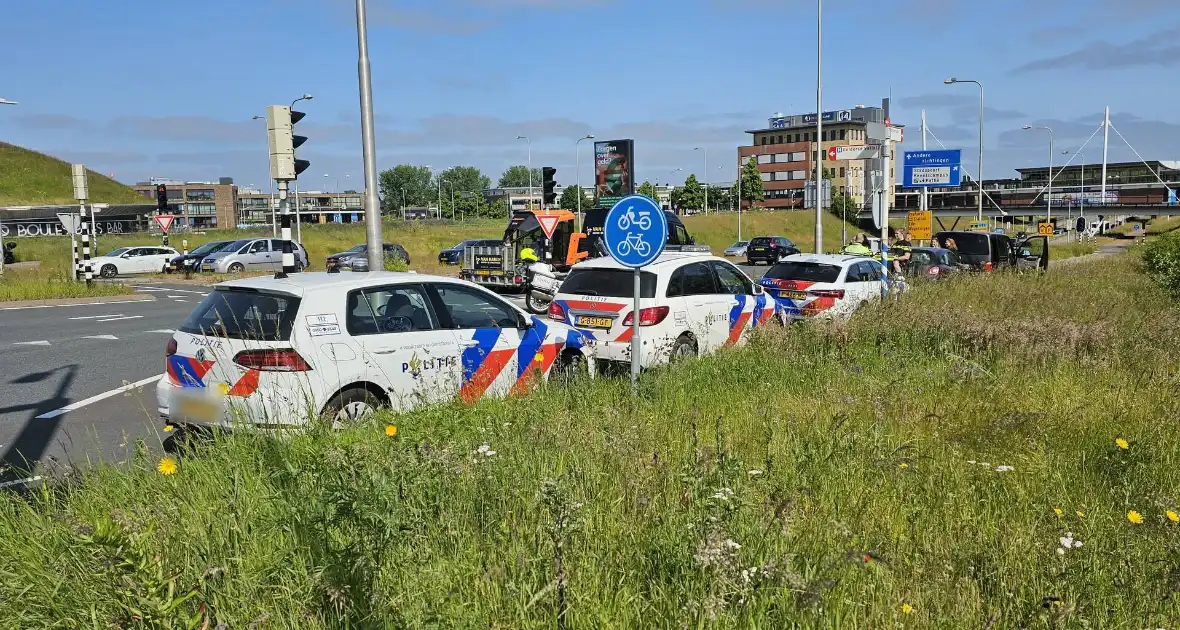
[485,450]
[971,461]
[754,473]
[723,494]
[1004,468]
[1068,542]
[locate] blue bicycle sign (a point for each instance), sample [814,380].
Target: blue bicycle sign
[636,231]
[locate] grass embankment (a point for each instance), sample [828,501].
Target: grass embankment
[29,178]
[995,452]
[29,285]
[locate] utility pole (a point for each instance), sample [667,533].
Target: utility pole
[819,126]
[739,200]
[530,144]
[376,253]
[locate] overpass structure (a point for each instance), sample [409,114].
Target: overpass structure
[1039,210]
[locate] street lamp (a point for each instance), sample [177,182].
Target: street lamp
[4,101]
[336,186]
[979,172]
[530,143]
[1049,186]
[705,151]
[274,213]
[819,126]
[578,171]
[671,186]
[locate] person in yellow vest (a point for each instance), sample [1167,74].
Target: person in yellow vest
[900,251]
[857,247]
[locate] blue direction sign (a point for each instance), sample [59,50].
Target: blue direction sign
[636,231]
[927,169]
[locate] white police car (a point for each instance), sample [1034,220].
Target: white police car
[690,304]
[824,286]
[272,352]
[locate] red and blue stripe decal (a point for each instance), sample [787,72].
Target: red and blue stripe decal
[737,319]
[187,371]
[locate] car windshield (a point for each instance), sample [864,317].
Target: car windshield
[209,248]
[617,283]
[115,253]
[740,244]
[804,271]
[971,244]
[235,246]
[356,249]
[237,313]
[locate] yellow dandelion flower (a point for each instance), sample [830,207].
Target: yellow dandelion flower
[168,428]
[1172,516]
[903,465]
[167,466]
[1080,514]
[390,430]
[1122,443]
[1058,512]
[906,609]
[1135,517]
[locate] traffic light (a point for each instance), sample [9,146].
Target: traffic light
[280,123]
[161,197]
[548,183]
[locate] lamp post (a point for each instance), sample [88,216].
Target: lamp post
[274,212]
[739,196]
[3,101]
[578,172]
[979,171]
[530,143]
[1049,185]
[705,152]
[671,187]
[1082,179]
[336,186]
[819,126]
[298,215]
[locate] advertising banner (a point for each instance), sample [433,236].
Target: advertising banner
[614,170]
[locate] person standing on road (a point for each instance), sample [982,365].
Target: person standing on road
[901,250]
[857,247]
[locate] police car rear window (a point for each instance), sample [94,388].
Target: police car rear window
[804,271]
[244,314]
[617,283]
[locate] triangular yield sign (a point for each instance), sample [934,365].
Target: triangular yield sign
[164,221]
[548,223]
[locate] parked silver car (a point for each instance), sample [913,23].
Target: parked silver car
[737,249]
[256,254]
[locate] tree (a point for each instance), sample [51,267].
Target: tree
[464,179]
[692,196]
[752,190]
[569,198]
[518,177]
[649,189]
[413,181]
[720,198]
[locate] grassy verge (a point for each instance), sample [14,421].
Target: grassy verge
[31,178]
[25,285]
[996,452]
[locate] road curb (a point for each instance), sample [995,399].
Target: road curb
[134,297]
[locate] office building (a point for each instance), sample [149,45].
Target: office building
[312,206]
[787,147]
[197,204]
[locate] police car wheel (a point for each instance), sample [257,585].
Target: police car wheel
[684,348]
[569,367]
[349,407]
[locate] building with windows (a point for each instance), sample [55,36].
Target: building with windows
[786,151]
[197,204]
[312,206]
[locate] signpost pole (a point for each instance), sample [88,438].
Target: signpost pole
[636,358]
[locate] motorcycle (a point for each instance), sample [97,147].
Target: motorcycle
[542,284]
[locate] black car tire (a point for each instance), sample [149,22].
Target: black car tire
[236,268]
[353,399]
[684,348]
[108,271]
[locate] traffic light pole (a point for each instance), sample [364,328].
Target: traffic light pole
[285,234]
[376,253]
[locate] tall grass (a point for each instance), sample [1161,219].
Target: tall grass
[29,285]
[935,463]
[31,178]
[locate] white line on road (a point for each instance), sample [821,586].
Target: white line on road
[183,301]
[151,289]
[32,343]
[163,330]
[115,319]
[97,316]
[184,291]
[175,296]
[8,484]
[21,308]
[110,337]
[93,399]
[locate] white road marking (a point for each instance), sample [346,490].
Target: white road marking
[181,301]
[93,399]
[163,330]
[32,343]
[115,319]
[21,308]
[175,296]
[18,482]
[152,289]
[110,337]
[97,316]
[184,291]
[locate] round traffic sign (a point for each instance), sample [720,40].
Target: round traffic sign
[636,231]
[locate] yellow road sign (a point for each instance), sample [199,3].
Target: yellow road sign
[920,225]
[1045,229]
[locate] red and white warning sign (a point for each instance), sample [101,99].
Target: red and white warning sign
[548,223]
[164,221]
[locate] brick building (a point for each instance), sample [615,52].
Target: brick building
[197,204]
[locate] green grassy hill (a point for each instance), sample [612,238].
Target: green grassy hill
[29,178]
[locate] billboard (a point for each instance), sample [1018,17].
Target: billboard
[614,170]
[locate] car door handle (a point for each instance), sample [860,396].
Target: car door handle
[470,343]
[384,351]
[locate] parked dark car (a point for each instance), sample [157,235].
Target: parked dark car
[356,258]
[192,260]
[454,255]
[933,263]
[981,251]
[769,249]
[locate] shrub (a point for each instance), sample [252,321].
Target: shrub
[1161,260]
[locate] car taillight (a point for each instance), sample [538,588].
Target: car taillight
[987,266]
[831,293]
[648,316]
[171,349]
[933,271]
[272,361]
[556,312]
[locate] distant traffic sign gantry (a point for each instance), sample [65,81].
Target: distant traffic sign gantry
[927,169]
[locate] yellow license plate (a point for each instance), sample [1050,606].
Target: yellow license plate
[793,295]
[594,322]
[482,272]
[200,409]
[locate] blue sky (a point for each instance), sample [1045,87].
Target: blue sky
[167,89]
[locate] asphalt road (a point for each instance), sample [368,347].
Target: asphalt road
[78,382]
